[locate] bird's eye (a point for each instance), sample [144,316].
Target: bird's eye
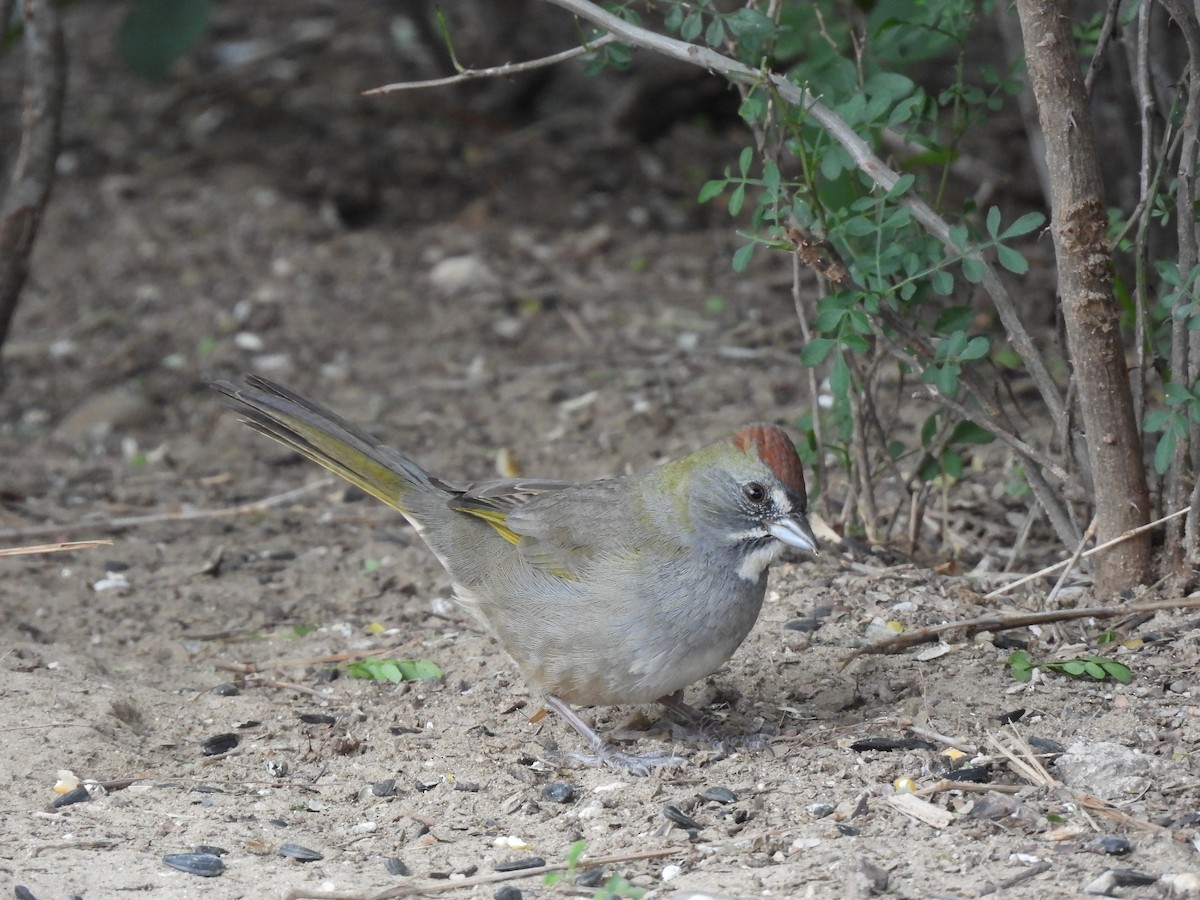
[754,492]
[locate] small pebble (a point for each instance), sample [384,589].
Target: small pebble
[820,810]
[886,744]
[219,743]
[209,849]
[24,893]
[719,795]
[508,892]
[683,820]
[303,854]
[396,866]
[1045,745]
[206,865]
[423,786]
[386,788]
[973,774]
[592,877]
[671,872]
[558,792]
[79,795]
[515,865]
[468,786]
[317,719]
[1109,881]
[1110,845]
[226,689]
[805,626]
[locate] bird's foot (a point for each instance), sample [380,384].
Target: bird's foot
[605,754]
[639,764]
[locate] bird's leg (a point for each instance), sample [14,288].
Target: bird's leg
[709,728]
[604,753]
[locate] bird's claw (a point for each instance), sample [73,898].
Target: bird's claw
[639,764]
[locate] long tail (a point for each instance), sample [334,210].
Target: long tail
[330,441]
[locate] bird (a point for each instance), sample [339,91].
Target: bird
[621,590]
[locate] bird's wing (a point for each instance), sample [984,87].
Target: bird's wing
[549,522]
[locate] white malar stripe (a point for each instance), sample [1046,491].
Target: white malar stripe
[758,559]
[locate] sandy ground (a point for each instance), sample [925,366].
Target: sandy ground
[269,220]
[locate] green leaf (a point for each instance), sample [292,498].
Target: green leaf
[1070,667]
[1156,419]
[958,236]
[829,320]
[1164,452]
[815,351]
[745,160]
[970,433]
[944,378]
[1178,394]
[712,189]
[889,84]
[859,226]
[1025,224]
[1093,669]
[752,108]
[832,163]
[156,33]
[771,177]
[715,35]
[737,199]
[942,282]
[976,348]
[389,671]
[993,221]
[839,377]
[692,25]
[1118,672]
[750,24]
[394,670]
[952,464]
[1011,260]
[741,259]
[973,269]
[1021,665]
[954,318]
[419,669]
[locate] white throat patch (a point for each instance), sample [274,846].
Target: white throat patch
[758,559]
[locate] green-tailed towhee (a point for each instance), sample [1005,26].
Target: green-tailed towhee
[622,590]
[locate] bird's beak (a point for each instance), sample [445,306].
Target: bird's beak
[795,532]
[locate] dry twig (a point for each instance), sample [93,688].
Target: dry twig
[1004,622]
[188,515]
[440,887]
[61,547]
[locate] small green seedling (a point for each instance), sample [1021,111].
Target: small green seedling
[1097,667]
[394,670]
[615,888]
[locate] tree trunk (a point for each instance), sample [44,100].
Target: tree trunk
[1079,226]
[41,117]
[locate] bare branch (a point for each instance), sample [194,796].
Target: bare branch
[860,152]
[495,71]
[1050,570]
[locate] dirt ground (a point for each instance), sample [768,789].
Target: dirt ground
[466,285]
